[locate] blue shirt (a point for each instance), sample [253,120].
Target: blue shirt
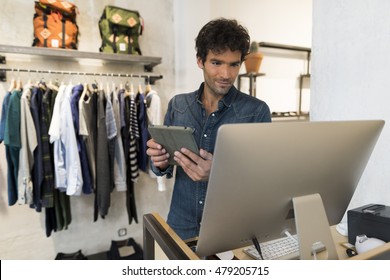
[74,105]
[4,115]
[187,110]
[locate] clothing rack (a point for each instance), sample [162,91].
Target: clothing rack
[149,79]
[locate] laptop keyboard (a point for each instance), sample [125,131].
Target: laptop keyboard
[285,248]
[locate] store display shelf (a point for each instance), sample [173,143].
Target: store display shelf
[290,116]
[148,62]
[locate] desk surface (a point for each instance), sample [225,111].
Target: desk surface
[380,253]
[159,235]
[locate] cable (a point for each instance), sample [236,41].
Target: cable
[314,253]
[257,246]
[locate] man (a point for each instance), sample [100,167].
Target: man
[221,47]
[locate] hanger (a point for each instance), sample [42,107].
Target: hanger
[101,82]
[85,85]
[124,86]
[29,78]
[12,85]
[51,84]
[19,84]
[70,78]
[85,93]
[129,88]
[130,91]
[148,87]
[42,83]
[92,87]
[113,87]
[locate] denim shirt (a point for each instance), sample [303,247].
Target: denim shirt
[187,110]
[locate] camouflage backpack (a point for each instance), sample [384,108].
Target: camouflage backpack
[120,30]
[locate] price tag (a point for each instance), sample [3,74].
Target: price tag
[122,47]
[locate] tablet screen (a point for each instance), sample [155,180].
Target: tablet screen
[173,138]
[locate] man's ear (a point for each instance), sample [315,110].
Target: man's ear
[199,62]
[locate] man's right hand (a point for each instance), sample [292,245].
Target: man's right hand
[158,154]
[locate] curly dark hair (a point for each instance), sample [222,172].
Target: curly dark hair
[220,35]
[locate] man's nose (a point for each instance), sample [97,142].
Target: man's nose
[225,72]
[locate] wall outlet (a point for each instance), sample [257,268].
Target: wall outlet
[122,232]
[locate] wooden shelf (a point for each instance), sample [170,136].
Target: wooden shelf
[148,62]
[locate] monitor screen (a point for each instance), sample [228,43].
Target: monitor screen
[258,169]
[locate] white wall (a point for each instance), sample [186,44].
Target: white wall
[189,17]
[22,230]
[350,79]
[279,21]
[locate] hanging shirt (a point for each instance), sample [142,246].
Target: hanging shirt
[119,161]
[155,117]
[53,215]
[130,134]
[43,177]
[37,171]
[87,129]
[111,135]
[28,139]
[13,144]
[66,156]
[4,115]
[103,175]
[74,102]
[134,137]
[143,131]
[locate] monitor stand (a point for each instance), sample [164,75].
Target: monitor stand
[312,226]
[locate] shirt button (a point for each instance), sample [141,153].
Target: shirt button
[201,202]
[204,135]
[213,115]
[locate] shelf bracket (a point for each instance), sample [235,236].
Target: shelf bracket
[148,68]
[3,60]
[3,75]
[152,80]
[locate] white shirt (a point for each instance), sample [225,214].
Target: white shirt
[155,116]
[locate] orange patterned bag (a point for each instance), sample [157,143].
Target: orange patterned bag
[55,24]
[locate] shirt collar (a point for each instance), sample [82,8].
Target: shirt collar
[227,100]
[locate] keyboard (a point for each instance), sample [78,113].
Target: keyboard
[285,248]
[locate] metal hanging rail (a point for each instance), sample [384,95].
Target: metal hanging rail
[151,79]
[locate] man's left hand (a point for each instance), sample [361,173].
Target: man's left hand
[196,167]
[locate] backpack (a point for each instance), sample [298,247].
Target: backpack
[120,30]
[55,24]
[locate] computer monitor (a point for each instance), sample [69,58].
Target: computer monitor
[265,174]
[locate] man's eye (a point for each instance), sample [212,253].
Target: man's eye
[215,63]
[235,65]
